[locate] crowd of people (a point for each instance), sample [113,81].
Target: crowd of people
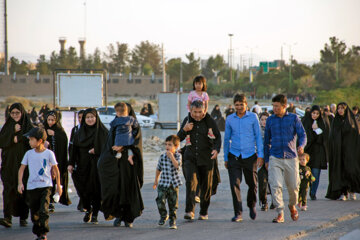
[106,166]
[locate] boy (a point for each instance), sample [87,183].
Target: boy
[41,163]
[306,178]
[168,187]
[126,128]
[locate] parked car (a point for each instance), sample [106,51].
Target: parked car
[269,109]
[107,115]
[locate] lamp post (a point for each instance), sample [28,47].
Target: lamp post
[230,56]
[290,64]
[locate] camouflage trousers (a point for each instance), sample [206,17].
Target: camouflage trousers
[171,194]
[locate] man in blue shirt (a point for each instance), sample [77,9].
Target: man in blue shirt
[283,132]
[243,152]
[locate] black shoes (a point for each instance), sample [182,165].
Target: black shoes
[252,213]
[264,207]
[313,197]
[163,220]
[87,216]
[172,224]
[5,222]
[129,225]
[23,223]
[94,220]
[237,218]
[117,222]
[51,208]
[272,206]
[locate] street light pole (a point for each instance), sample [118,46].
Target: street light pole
[6,71]
[230,56]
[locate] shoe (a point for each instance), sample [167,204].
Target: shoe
[252,213]
[87,216]
[237,218]
[272,206]
[197,199]
[42,237]
[352,196]
[211,134]
[279,218]
[203,217]
[264,207]
[163,220]
[304,208]
[293,213]
[5,222]
[117,222]
[94,220]
[189,216]
[129,225]
[23,223]
[172,224]
[343,198]
[109,217]
[118,155]
[51,208]
[312,197]
[188,143]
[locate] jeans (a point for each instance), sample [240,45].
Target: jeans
[314,186]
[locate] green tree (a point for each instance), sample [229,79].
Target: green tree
[16,66]
[42,65]
[214,65]
[146,53]
[173,70]
[192,68]
[117,57]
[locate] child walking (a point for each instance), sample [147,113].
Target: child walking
[199,93]
[168,186]
[306,178]
[41,163]
[126,128]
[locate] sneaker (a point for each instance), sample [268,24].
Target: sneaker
[5,222]
[87,216]
[189,216]
[23,223]
[197,199]
[343,198]
[272,206]
[117,222]
[129,225]
[303,208]
[279,218]
[312,197]
[42,237]
[264,207]
[118,155]
[172,224]
[352,196]
[203,217]
[163,220]
[51,207]
[94,219]
[237,218]
[211,134]
[188,143]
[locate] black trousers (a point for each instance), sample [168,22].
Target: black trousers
[263,184]
[39,200]
[237,166]
[204,175]
[13,200]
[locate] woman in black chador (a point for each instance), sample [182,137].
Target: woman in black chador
[14,145]
[58,143]
[344,161]
[86,149]
[317,133]
[121,181]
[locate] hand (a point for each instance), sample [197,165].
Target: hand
[314,125]
[15,139]
[130,159]
[50,132]
[17,127]
[20,188]
[214,154]
[70,169]
[169,154]
[59,189]
[267,166]
[117,148]
[46,144]
[155,185]
[53,175]
[260,162]
[92,151]
[188,127]
[300,150]
[226,165]
[307,174]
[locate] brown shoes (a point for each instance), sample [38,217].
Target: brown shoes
[279,218]
[294,213]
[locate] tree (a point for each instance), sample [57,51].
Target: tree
[16,66]
[192,68]
[173,70]
[117,58]
[146,53]
[43,66]
[214,65]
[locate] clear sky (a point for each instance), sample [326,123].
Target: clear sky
[201,26]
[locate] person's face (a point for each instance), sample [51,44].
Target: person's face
[51,120]
[34,143]
[278,108]
[80,117]
[341,110]
[169,146]
[355,111]
[90,119]
[197,113]
[333,109]
[240,107]
[120,112]
[315,114]
[302,161]
[15,114]
[217,108]
[198,86]
[263,121]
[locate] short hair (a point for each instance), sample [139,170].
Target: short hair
[280,98]
[355,108]
[202,80]
[307,156]
[122,107]
[197,104]
[264,114]
[256,102]
[174,139]
[239,98]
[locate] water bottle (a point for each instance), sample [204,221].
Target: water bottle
[57,197]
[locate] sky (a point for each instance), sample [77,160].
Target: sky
[260,27]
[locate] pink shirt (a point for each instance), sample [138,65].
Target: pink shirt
[194,96]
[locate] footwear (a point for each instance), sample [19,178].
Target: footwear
[299,204]
[279,218]
[94,220]
[272,206]
[197,199]
[343,198]
[264,207]
[237,218]
[23,223]
[293,213]
[189,216]
[118,155]
[352,196]
[109,218]
[5,222]
[129,225]
[188,143]
[252,213]
[51,208]
[117,222]
[163,220]
[303,208]
[87,216]
[42,237]
[203,217]
[312,197]
[211,134]
[172,224]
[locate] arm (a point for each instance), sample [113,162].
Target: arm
[206,106]
[300,131]
[267,137]
[182,133]
[227,136]
[55,170]
[157,175]
[20,178]
[259,141]
[173,159]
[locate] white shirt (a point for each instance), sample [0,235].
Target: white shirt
[39,165]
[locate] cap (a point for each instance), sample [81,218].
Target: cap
[38,133]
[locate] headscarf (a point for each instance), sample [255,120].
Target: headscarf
[57,125]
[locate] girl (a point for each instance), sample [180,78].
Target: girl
[57,142]
[199,93]
[87,145]
[317,133]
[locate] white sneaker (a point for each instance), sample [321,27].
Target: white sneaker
[352,196]
[118,155]
[343,198]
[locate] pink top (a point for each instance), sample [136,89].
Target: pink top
[194,96]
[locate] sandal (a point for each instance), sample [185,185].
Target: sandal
[294,213]
[279,219]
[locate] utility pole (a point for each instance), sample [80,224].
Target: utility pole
[337,66]
[163,68]
[290,76]
[231,57]
[181,77]
[6,69]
